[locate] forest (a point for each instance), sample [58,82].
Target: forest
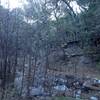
[50,50]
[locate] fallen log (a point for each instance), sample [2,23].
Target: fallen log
[93,87]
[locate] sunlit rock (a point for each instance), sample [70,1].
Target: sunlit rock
[93,98]
[60,88]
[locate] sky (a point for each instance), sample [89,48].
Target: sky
[18,3]
[75,6]
[12,3]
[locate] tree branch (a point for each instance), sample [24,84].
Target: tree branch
[71,9]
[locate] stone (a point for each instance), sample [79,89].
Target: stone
[77,94]
[93,98]
[99,81]
[36,91]
[60,88]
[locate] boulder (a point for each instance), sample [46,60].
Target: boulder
[36,91]
[77,94]
[60,88]
[93,98]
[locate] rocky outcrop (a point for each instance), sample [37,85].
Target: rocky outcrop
[71,55]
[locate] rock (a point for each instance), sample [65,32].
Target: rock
[36,91]
[61,88]
[99,81]
[87,83]
[77,94]
[93,98]
[96,80]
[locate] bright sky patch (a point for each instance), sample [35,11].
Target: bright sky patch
[11,3]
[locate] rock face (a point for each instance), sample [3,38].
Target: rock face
[76,56]
[74,50]
[72,55]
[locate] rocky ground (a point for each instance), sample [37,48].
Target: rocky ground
[62,86]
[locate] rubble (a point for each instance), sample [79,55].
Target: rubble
[67,85]
[76,87]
